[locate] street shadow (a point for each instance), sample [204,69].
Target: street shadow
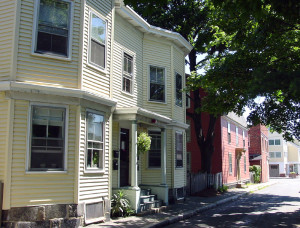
[261,210]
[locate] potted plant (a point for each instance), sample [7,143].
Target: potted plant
[292,175]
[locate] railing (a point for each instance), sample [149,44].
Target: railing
[200,181]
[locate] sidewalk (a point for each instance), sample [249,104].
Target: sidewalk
[180,211]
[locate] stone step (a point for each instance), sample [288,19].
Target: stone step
[157,203]
[146,199]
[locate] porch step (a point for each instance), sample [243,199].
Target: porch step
[157,203]
[147,199]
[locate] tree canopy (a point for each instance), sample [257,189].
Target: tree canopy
[251,47]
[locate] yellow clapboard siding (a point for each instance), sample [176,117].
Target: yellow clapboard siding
[3,133]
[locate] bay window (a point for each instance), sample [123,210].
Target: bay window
[157,84]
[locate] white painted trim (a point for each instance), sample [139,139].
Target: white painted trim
[28,138]
[49,90]
[89,62]
[131,54]
[165,85]
[35,30]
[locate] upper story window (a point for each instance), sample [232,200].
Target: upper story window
[53,27]
[154,154]
[179,149]
[157,84]
[237,135]
[228,132]
[245,164]
[275,154]
[97,41]
[188,100]
[95,141]
[47,138]
[230,163]
[178,79]
[274,142]
[244,139]
[127,73]
[188,131]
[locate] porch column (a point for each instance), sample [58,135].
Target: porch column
[163,157]
[134,154]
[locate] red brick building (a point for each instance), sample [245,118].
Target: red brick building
[230,144]
[258,149]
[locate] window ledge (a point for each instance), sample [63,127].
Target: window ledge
[46,172]
[157,102]
[181,167]
[127,94]
[97,68]
[154,168]
[54,57]
[91,170]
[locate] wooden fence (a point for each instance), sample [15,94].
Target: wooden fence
[199,181]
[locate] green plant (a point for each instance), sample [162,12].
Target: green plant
[256,170]
[120,206]
[143,143]
[223,189]
[292,173]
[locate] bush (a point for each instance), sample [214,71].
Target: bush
[223,189]
[143,143]
[256,170]
[120,206]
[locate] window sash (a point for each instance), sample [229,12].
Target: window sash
[95,140]
[127,73]
[178,79]
[230,162]
[53,27]
[154,154]
[179,149]
[157,84]
[277,142]
[47,138]
[237,135]
[97,40]
[271,142]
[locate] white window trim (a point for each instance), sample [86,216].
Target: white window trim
[179,167]
[89,63]
[133,72]
[237,135]
[182,103]
[165,77]
[35,30]
[94,170]
[29,121]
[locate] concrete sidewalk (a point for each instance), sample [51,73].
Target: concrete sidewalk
[182,210]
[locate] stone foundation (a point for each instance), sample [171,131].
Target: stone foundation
[47,216]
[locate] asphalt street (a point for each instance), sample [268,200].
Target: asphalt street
[275,206]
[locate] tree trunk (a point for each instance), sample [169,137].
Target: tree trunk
[205,141]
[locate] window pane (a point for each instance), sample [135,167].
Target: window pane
[39,130]
[97,53]
[179,149]
[157,92]
[271,142]
[277,141]
[98,29]
[153,74]
[160,76]
[154,154]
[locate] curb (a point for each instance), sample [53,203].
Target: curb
[191,213]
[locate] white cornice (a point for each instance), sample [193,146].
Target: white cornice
[50,90]
[136,20]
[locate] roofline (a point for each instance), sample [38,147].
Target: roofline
[136,20]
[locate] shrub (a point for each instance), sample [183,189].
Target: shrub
[256,170]
[143,143]
[223,189]
[120,206]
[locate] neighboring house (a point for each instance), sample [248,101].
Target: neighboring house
[59,88]
[284,156]
[147,82]
[258,149]
[278,153]
[230,147]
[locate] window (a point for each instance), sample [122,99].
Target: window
[97,40]
[278,154]
[245,164]
[53,27]
[157,84]
[271,142]
[237,135]
[230,163]
[272,154]
[188,131]
[179,149]
[154,154]
[244,140]
[178,89]
[277,142]
[127,73]
[48,131]
[228,133]
[95,141]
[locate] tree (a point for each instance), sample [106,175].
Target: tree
[261,57]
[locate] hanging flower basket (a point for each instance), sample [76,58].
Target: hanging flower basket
[143,143]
